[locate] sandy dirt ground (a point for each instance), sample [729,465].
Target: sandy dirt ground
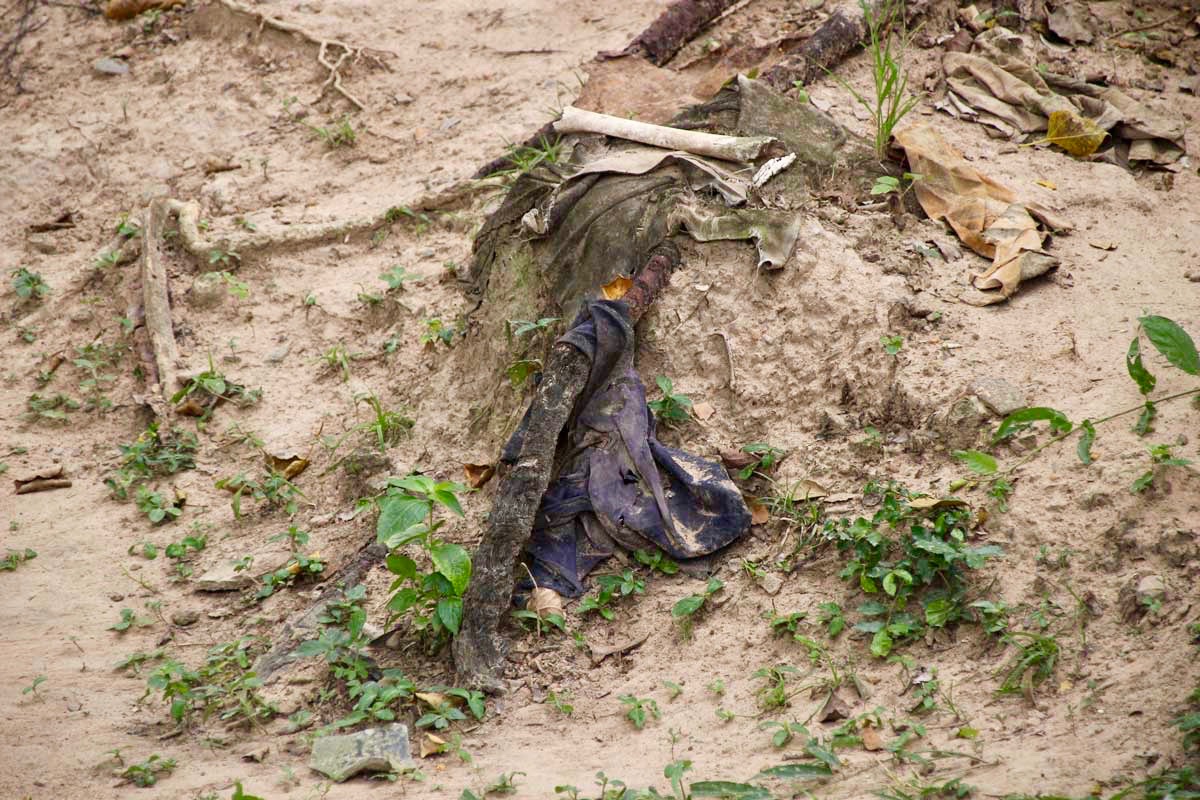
[215,110]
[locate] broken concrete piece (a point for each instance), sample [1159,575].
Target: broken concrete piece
[383,749]
[1000,396]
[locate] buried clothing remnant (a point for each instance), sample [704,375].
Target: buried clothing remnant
[618,484]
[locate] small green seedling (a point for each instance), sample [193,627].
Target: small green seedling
[892,344]
[887,184]
[765,456]
[656,561]
[437,331]
[147,773]
[157,508]
[516,328]
[32,688]
[128,620]
[611,587]
[560,702]
[533,621]
[29,285]
[674,688]
[397,276]
[338,134]
[1034,662]
[15,558]
[639,709]
[685,611]
[673,409]
[775,693]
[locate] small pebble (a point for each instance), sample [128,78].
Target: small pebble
[185,618]
[110,66]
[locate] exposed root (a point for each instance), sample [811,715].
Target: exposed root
[324,47]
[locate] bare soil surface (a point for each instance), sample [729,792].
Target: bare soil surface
[216,110]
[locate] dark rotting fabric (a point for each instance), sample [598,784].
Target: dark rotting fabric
[618,485]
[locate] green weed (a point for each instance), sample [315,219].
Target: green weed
[685,611]
[611,587]
[15,558]
[891,100]
[639,709]
[147,773]
[672,409]
[1034,662]
[407,517]
[338,134]
[273,489]
[29,285]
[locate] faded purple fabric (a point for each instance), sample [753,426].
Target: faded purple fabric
[618,483]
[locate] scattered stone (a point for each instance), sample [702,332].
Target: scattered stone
[835,708]
[224,578]
[958,427]
[1192,275]
[1151,590]
[186,617]
[208,290]
[43,243]
[383,749]
[1069,23]
[1000,396]
[402,99]
[1007,149]
[116,597]
[771,584]
[277,355]
[110,66]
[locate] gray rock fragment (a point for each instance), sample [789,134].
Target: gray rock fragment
[383,749]
[110,66]
[1000,396]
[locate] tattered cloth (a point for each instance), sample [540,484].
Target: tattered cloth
[618,483]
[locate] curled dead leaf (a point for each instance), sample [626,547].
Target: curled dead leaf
[834,708]
[432,699]
[431,745]
[41,480]
[478,474]
[544,602]
[286,463]
[759,515]
[805,489]
[616,288]
[736,459]
[927,503]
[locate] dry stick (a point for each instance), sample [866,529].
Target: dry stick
[674,28]
[157,304]
[479,646]
[334,80]
[838,36]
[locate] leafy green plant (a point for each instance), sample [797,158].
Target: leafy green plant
[338,134]
[407,517]
[213,384]
[1034,662]
[517,328]
[638,709]
[32,688]
[891,101]
[15,558]
[49,409]
[889,184]
[226,258]
[1173,343]
[519,371]
[914,550]
[128,620]
[299,566]
[29,285]
[765,456]
[672,409]
[437,331]
[525,159]
[135,661]
[224,685]
[892,344]
[238,289]
[560,702]
[273,489]
[656,561]
[397,276]
[611,587]
[385,426]
[833,618]
[92,359]
[774,693]
[684,611]
[532,620]
[153,453]
[337,359]
[156,507]
[147,773]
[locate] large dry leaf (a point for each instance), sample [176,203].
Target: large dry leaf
[1076,134]
[616,288]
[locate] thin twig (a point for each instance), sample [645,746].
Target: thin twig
[1162,21]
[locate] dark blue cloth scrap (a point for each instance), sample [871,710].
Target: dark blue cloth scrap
[620,485]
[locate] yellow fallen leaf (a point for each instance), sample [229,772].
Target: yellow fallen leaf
[1048,184]
[1074,133]
[431,745]
[616,289]
[759,514]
